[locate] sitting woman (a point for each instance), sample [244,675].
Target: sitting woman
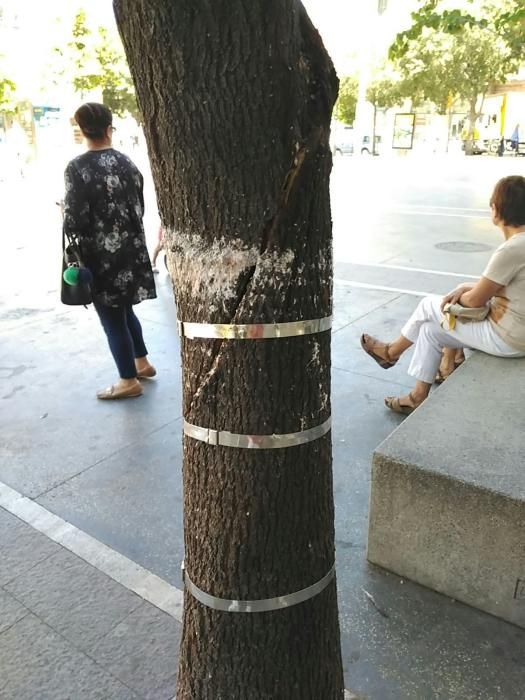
[502,287]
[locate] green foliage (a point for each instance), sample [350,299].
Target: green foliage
[454,56]
[385,92]
[115,80]
[511,27]
[81,51]
[80,31]
[504,19]
[476,62]
[7,96]
[96,61]
[345,107]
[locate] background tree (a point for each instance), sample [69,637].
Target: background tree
[7,97]
[7,87]
[384,92]
[114,77]
[95,60]
[423,70]
[510,26]
[345,107]
[476,63]
[443,67]
[81,52]
[237,99]
[502,18]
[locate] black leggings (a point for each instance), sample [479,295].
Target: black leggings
[124,334]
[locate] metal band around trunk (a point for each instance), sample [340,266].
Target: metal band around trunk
[258,606]
[253,331]
[256,442]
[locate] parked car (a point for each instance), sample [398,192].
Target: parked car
[366,146]
[343,141]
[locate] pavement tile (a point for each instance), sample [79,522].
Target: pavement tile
[454,652]
[38,664]
[132,501]
[10,611]
[385,323]
[70,430]
[351,304]
[21,547]
[75,599]
[142,652]
[358,403]
[406,279]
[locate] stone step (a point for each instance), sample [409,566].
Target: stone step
[447,506]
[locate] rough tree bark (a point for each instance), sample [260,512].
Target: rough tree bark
[237,98]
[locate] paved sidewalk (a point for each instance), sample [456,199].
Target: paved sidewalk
[91,500]
[70,632]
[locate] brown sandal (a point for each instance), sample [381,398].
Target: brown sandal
[440,377]
[394,404]
[381,361]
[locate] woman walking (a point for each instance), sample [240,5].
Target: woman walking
[103,210]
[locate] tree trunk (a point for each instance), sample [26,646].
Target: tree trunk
[472,119]
[374,131]
[449,128]
[237,98]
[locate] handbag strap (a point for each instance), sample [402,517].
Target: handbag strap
[70,242]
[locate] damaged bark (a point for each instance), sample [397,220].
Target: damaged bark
[237,99]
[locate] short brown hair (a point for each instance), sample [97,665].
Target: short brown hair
[508,199]
[93,119]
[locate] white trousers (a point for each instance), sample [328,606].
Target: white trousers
[424,329]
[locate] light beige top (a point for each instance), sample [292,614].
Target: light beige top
[507,311]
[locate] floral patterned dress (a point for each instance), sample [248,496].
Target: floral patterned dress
[103,210]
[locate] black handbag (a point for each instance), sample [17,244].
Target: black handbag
[73,294]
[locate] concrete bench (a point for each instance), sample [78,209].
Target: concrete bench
[447,506]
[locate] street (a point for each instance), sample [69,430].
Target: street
[403,228]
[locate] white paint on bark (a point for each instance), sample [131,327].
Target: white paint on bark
[211,273]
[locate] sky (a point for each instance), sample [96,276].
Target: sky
[343,24]
[339,21]
[351,27]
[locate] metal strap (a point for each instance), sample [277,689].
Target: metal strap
[253,331]
[258,606]
[256,442]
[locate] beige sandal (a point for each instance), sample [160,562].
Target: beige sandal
[394,404]
[114,392]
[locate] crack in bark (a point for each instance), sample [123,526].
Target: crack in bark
[291,177]
[217,354]
[268,235]
[289,187]
[216,358]
[267,239]
[243,291]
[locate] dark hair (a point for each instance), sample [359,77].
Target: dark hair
[93,119]
[508,199]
